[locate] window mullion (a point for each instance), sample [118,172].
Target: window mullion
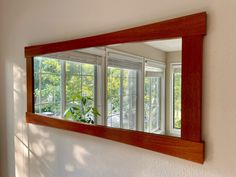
[81,83]
[121,97]
[40,86]
[140,98]
[63,87]
[130,95]
[104,88]
[95,91]
[150,104]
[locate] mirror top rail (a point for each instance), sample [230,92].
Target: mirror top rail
[189,25]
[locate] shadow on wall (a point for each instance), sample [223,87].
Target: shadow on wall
[51,154]
[47,152]
[3,120]
[37,152]
[43,151]
[17,111]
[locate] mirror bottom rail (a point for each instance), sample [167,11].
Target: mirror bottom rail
[177,147]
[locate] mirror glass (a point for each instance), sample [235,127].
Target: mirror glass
[135,86]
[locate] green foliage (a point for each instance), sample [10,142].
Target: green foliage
[81,110]
[177,100]
[113,90]
[178,123]
[47,85]
[151,102]
[80,81]
[117,77]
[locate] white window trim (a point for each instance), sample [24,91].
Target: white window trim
[88,57]
[173,131]
[100,56]
[150,62]
[118,55]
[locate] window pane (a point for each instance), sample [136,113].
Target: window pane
[73,68]
[60,84]
[129,112]
[122,95]
[73,87]
[50,66]
[88,86]
[47,86]
[177,98]
[88,69]
[152,104]
[80,82]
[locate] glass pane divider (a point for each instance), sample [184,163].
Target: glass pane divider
[63,87]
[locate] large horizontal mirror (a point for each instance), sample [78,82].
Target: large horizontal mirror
[140,86]
[134,86]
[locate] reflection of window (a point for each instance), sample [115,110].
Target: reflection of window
[122,93]
[153,92]
[131,95]
[57,82]
[47,73]
[176,98]
[80,80]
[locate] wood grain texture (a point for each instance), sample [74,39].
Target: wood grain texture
[193,151]
[191,87]
[184,26]
[30,84]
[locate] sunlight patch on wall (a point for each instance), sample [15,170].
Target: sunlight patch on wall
[79,154]
[21,159]
[19,94]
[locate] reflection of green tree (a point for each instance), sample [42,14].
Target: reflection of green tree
[116,76]
[146,102]
[46,73]
[79,80]
[121,91]
[113,90]
[151,102]
[177,100]
[47,83]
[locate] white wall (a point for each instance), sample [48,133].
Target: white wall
[60,153]
[143,50]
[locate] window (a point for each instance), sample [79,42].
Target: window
[60,78]
[175,123]
[47,74]
[58,83]
[122,91]
[153,98]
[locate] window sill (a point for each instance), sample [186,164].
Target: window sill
[174,146]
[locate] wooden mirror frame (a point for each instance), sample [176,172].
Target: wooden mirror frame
[191,29]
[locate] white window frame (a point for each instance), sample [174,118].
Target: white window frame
[103,55]
[173,131]
[158,64]
[85,59]
[126,57]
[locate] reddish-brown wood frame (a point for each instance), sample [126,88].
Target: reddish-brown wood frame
[192,29]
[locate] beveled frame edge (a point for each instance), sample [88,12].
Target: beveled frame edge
[193,151]
[191,28]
